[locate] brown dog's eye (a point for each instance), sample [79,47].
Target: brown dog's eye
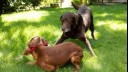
[29,45]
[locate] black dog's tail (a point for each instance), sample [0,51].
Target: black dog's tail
[75,5]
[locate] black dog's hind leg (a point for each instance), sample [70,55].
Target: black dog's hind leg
[88,45]
[92,31]
[91,27]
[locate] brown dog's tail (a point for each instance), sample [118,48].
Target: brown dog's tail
[75,5]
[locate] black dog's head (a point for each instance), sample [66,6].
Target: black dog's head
[70,21]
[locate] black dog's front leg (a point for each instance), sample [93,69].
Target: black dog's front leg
[61,40]
[88,45]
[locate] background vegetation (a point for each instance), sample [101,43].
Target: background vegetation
[7,6]
[17,29]
[18,5]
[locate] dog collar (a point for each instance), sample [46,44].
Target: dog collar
[33,48]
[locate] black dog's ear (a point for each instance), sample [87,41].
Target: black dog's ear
[61,17]
[78,19]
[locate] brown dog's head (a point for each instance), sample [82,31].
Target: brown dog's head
[34,43]
[70,21]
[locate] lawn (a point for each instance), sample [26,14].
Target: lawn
[110,22]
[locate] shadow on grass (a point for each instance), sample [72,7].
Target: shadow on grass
[110,46]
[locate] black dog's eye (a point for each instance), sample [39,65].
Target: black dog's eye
[69,21]
[62,20]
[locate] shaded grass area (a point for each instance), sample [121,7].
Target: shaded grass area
[110,30]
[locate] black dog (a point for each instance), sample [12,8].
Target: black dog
[75,25]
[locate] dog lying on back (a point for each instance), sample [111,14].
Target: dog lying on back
[76,25]
[50,58]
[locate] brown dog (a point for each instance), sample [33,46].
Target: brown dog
[49,58]
[75,25]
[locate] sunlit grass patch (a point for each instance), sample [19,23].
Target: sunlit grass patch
[96,33]
[93,63]
[32,16]
[114,25]
[1,54]
[44,31]
[118,27]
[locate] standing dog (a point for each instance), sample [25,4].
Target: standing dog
[75,25]
[50,58]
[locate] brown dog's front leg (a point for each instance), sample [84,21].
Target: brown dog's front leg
[47,67]
[88,45]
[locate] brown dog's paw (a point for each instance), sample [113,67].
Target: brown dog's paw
[19,58]
[31,63]
[75,71]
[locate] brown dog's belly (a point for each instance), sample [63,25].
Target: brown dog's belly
[59,59]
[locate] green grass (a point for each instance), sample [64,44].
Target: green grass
[110,30]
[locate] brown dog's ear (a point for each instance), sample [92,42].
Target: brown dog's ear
[45,43]
[27,51]
[34,42]
[42,41]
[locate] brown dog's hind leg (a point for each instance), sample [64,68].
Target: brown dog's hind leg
[76,62]
[47,67]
